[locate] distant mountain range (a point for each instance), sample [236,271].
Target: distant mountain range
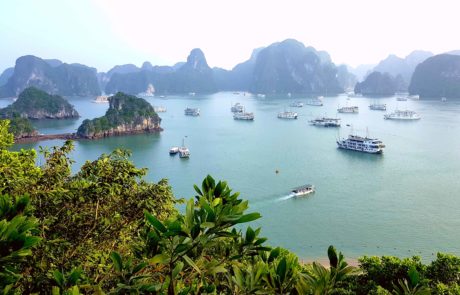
[52,76]
[282,67]
[391,75]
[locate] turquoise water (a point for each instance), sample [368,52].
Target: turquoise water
[403,202]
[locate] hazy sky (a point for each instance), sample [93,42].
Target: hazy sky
[103,33]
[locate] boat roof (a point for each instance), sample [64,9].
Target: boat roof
[302,187]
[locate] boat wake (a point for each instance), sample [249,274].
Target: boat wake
[284,198]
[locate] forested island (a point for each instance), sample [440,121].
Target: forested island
[107,230]
[127,114]
[33,103]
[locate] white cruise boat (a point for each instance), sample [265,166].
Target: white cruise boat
[237,108]
[402,115]
[159,109]
[192,93]
[287,115]
[101,99]
[192,112]
[401,98]
[378,107]
[183,150]
[361,144]
[296,104]
[414,97]
[347,109]
[315,102]
[352,95]
[174,150]
[261,95]
[326,122]
[443,99]
[302,191]
[243,116]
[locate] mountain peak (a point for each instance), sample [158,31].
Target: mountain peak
[196,60]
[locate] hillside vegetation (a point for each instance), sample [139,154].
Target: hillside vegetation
[106,230]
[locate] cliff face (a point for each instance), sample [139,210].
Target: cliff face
[52,77]
[33,103]
[378,84]
[438,76]
[127,114]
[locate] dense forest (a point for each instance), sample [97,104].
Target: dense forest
[106,230]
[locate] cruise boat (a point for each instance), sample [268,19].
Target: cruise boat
[414,97]
[315,102]
[378,107]
[326,122]
[243,116]
[361,144]
[192,112]
[261,95]
[287,115]
[296,104]
[302,191]
[401,98]
[192,93]
[159,109]
[347,109]
[174,150]
[402,115]
[183,150]
[443,99]
[101,99]
[237,108]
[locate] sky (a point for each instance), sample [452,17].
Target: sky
[104,33]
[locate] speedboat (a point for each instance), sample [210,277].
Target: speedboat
[302,191]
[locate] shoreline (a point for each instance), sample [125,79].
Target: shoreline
[74,136]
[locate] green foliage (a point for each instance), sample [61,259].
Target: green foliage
[445,269]
[6,138]
[21,127]
[386,271]
[17,237]
[123,109]
[105,229]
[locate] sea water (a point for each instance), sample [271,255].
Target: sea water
[405,202]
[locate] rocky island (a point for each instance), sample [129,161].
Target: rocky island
[34,103]
[380,84]
[127,114]
[21,128]
[438,76]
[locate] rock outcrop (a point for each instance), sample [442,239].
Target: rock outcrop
[34,103]
[51,76]
[378,84]
[438,76]
[289,66]
[127,114]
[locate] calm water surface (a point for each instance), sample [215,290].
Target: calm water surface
[403,202]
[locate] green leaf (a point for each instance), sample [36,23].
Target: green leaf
[58,278]
[250,235]
[177,269]
[117,262]
[159,258]
[281,269]
[75,276]
[54,291]
[155,222]
[191,263]
[249,217]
